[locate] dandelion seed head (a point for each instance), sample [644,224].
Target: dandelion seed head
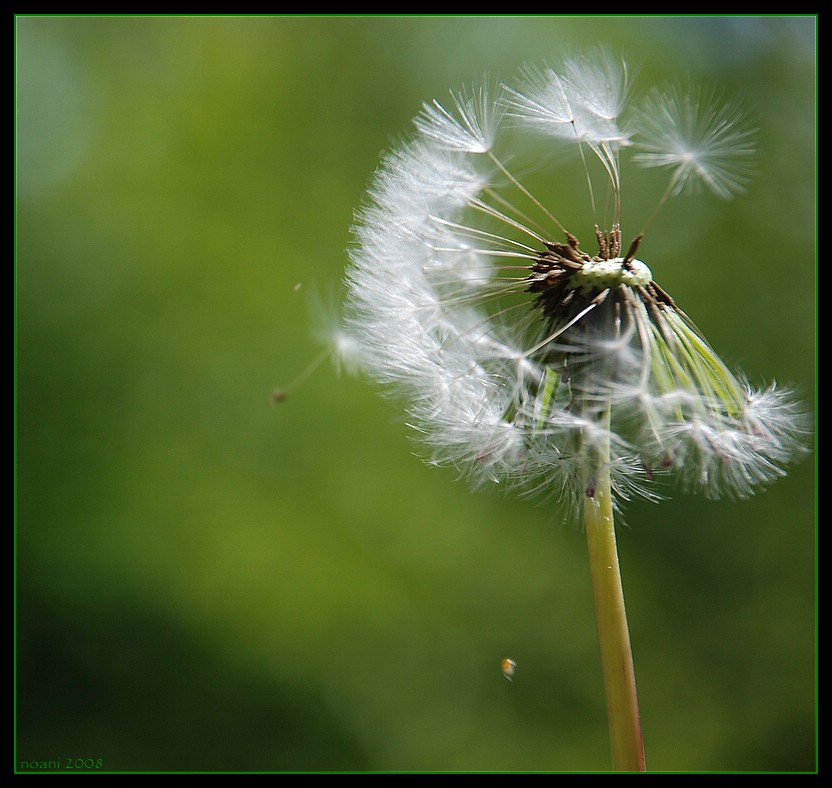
[530,359]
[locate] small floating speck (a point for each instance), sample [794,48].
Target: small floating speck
[509,666]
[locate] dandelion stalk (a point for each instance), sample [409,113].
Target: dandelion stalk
[613,632]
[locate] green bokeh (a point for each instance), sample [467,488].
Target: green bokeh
[209,581]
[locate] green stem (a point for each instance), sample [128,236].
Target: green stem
[613,633]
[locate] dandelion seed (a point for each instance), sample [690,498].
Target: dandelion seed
[340,346]
[702,139]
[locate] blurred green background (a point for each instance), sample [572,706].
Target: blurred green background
[209,581]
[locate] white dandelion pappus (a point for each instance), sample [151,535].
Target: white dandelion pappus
[525,358]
